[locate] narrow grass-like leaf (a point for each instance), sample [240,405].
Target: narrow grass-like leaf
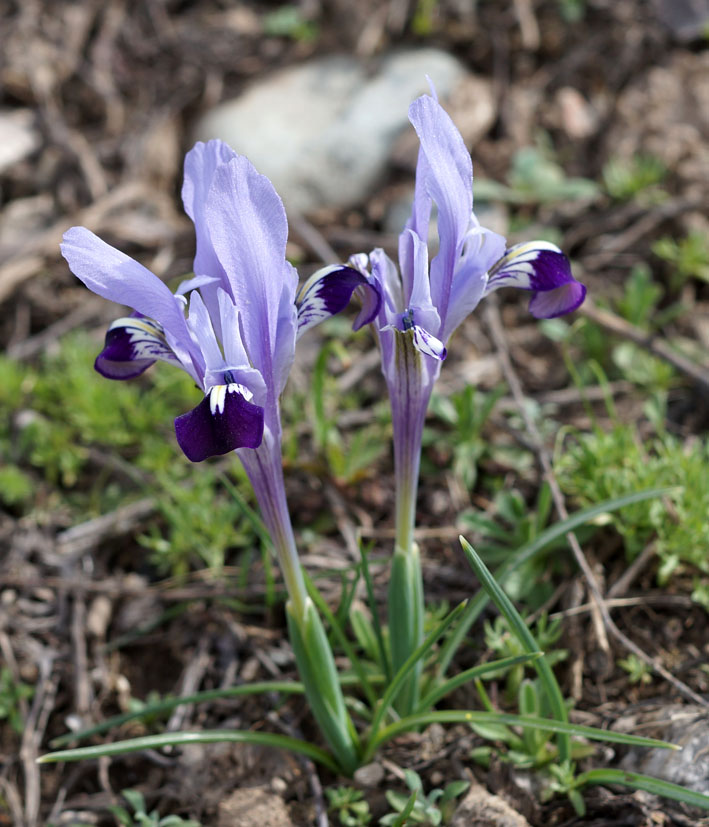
[176,739]
[462,716]
[520,629]
[167,704]
[441,691]
[528,552]
[655,786]
[383,653]
[339,633]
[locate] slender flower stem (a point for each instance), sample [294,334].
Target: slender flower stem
[313,654]
[410,394]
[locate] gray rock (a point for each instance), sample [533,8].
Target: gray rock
[685,726]
[19,136]
[323,132]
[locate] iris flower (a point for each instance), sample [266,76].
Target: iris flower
[233,328]
[422,306]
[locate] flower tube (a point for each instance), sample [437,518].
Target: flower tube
[421,307]
[233,328]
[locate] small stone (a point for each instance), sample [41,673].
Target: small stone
[480,808]
[370,775]
[99,616]
[18,136]
[278,785]
[253,807]
[577,117]
[323,132]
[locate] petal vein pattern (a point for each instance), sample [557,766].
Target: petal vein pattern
[232,325]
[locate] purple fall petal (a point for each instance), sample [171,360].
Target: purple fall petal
[223,421]
[115,276]
[132,345]
[541,267]
[328,291]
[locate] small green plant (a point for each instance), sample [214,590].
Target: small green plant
[626,178]
[465,413]
[289,21]
[348,804]
[430,810]
[140,818]
[12,694]
[638,671]
[689,257]
[500,639]
[679,525]
[537,178]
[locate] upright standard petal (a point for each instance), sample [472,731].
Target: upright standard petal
[541,267]
[115,276]
[222,422]
[329,290]
[201,162]
[448,180]
[248,229]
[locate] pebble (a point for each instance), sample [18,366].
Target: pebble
[324,131]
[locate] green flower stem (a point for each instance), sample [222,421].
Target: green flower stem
[316,666]
[409,396]
[314,658]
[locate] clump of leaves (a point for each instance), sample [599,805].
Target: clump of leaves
[626,178]
[465,414]
[289,21]
[12,694]
[499,638]
[689,257]
[679,525]
[348,804]
[638,671]
[431,810]
[140,818]
[536,177]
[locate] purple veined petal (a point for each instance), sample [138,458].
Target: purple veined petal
[481,249]
[132,345]
[234,350]
[541,267]
[200,326]
[558,301]
[427,343]
[248,229]
[195,283]
[388,280]
[201,162]
[115,276]
[448,180]
[329,290]
[222,422]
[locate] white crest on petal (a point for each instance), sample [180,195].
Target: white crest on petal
[147,338]
[426,343]
[217,396]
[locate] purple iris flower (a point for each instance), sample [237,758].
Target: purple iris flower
[234,325]
[421,307]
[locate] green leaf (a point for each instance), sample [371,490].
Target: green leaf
[519,628]
[475,717]
[655,786]
[176,739]
[528,552]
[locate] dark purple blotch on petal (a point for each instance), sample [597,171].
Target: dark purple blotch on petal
[331,292]
[557,302]
[211,429]
[132,345]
